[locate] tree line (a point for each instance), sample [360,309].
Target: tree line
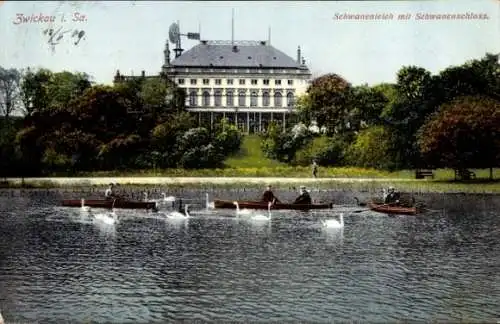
[68,124]
[65,123]
[450,120]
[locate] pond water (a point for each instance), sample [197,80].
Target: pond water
[61,265]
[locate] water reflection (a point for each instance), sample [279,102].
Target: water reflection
[64,264]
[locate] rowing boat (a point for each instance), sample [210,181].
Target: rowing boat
[109,203]
[391,209]
[229,204]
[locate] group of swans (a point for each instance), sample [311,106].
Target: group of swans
[330,223]
[257,217]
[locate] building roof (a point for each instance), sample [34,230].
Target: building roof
[244,54]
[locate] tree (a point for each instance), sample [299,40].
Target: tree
[366,108]
[10,81]
[283,146]
[227,137]
[463,134]
[44,90]
[415,98]
[329,97]
[371,149]
[475,77]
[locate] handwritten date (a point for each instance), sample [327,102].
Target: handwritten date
[56,35]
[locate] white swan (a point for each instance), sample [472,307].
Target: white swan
[179,215]
[208,204]
[260,217]
[84,208]
[333,223]
[241,211]
[167,199]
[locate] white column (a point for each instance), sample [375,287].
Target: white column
[248,123]
[260,122]
[284,122]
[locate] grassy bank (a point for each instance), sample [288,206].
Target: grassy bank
[406,185]
[287,172]
[254,170]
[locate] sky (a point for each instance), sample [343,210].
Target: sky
[130,36]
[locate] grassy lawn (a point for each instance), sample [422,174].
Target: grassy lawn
[251,156]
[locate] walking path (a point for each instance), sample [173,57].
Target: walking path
[195,180]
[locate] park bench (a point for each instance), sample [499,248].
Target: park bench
[464,174]
[422,173]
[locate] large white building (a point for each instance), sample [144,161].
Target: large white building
[248,82]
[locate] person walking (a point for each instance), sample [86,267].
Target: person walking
[314,169]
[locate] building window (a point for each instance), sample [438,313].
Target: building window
[206,81]
[229,81]
[277,100]
[289,99]
[193,102]
[253,99]
[218,98]
[265,82]
[277,82]
[193,81]
[242,81]
[229,99]
[241,98]
[218,81]
[254,82]
[290,82]
[206,98]
[265,99]
[181,81]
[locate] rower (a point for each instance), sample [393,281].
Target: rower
[269,196]
[110,192]
[392,197]
[304,197]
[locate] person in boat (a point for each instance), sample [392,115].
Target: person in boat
[268,196]
[304,197]
[392,197]
[110,193]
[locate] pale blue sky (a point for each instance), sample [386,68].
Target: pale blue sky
[131,35]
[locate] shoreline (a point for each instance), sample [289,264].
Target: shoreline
[335,184]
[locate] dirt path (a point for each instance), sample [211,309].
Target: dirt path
[196,180]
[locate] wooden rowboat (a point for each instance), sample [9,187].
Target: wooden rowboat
[388,209]
[229,204]
[109,203]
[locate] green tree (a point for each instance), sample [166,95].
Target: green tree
[227,137]
[415,99]
[328,100]
[371,149]
[463,134]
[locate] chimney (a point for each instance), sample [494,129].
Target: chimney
[298,55]
[143,73]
